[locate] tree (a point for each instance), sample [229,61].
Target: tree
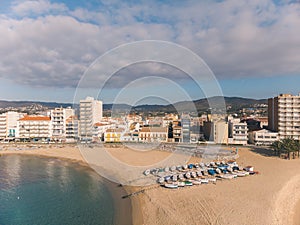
[288,146]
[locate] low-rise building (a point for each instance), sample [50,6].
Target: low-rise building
[263,137]
[113,135]
[153,134]
[238,132]
[34,128]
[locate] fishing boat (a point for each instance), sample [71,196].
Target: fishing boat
[171,185]
[188,183]
[146,172]
[211,171]
[202,165]
[174,177]
[190,166]
[167,169]
[161,180]
[199,173]
[227,176]
[212,164]
[218,171]
[184,167]
[249,168]
[229,169]
[179,168]
[187,175]
[193,174]
[181,176]
[212,179]
[173,168]
[204,181]
[196,182]
[181,184]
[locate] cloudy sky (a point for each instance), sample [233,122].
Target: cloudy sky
[46,46]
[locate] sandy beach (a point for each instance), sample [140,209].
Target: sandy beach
[272,197]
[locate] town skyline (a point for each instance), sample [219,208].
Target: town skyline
[47,45]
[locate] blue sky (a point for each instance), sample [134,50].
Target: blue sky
[46,47]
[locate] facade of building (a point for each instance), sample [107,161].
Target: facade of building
[185,128]
[72,129]
[90,113]
[59,117]
[153,134]
[113,135]
[238,132]
[8,124]
[34,128]
[262,137]
[284,115]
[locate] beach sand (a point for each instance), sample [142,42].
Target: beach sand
[272,197]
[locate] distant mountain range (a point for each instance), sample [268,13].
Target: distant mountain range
[232,103]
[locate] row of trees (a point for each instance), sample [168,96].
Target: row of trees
[288,146]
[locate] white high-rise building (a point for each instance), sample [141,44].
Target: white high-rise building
[90,113]
[284,115]
[8,124]
[59,117]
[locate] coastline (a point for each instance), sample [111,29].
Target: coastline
[267,198]
[72,154]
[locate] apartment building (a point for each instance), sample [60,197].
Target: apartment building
[8,124]
[284,115]
[72,129]
[59,118]
[153,134]
[238,132]
[34,128]
[90,113]
[262,137]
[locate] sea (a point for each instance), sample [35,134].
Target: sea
[38,190]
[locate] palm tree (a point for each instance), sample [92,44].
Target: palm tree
[287,145]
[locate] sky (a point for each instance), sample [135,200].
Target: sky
[47,47]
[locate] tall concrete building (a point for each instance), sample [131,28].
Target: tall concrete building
[284,115]
[59,118]
[185,128]
[90,113]
[8,124]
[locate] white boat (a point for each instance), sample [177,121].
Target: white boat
[181,184]
[161,180]
[240,174]
[193,174]
[212,179]
[167,169]
[212,164]
[218,171]
[185,167]
[196,182]
[173,168]
[202,164]
[174,177]
[204,181]
[187,175]
[229,169]
[146,172]
[249,168]
[227,176]
[199,173]
[181,176]
[172,185]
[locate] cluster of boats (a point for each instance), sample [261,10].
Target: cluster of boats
[199,173]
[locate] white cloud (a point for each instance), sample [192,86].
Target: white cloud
[37,7]
[47,44]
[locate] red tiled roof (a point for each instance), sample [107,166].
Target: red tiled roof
[35,118]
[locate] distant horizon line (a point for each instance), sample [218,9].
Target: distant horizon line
[111,103]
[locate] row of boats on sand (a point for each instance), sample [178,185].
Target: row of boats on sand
[199,173]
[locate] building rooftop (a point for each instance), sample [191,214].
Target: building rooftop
[35,118]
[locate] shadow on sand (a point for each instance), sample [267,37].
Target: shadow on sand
[264,151]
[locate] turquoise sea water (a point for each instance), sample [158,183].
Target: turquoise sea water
[36,190]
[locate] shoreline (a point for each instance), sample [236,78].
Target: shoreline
[120,205]
[207,203]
